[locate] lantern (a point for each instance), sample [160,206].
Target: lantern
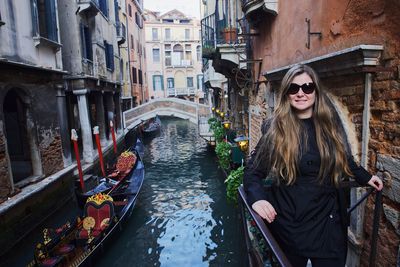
[227,124]
[242,142]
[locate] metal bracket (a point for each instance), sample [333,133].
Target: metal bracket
[309,33]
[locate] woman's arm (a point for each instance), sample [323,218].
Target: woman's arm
[363,177]
[253,185]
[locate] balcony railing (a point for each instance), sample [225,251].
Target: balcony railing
[274,253]
[215,32]
[188,91]
[179,64]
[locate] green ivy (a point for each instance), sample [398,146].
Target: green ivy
[223,151]
[234,180]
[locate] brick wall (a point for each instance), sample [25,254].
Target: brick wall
[51,155]
[5,186]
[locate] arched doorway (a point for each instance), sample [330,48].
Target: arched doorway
[17,136]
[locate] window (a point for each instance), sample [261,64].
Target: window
[109,50]
[189,82]
[44,19]
[86,37]
[103,7]
[134,75]
[167,34]
[140,77]
[156,55]
[132,42]
[154,32]
[170,83]
[130,10]
[158,83]
[199,81]
[167,54]
[198,53]
[187,34]
[138,20]
[188,47]
[167,58]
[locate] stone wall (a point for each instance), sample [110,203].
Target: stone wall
[5,185]
[51,155]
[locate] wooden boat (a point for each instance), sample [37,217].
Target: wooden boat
[78,242]
[122,169]
[152,127]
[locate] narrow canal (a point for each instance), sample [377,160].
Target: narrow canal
[182,217]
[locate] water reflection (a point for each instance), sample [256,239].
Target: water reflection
[182,217]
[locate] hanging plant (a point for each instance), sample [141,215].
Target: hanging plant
[234,180]
[223,151]
[219,132]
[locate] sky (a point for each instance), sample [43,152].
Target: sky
[189,7]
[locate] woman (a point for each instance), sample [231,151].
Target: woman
[302,150]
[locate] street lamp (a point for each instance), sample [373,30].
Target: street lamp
[227,124]
[242,142]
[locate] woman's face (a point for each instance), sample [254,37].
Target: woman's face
[301,102]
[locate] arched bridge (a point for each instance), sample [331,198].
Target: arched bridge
[165,107]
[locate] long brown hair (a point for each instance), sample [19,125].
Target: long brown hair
[280,146]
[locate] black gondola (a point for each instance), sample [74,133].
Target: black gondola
[77,243]
[98,184]
[152,127]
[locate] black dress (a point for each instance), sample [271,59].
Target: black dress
[308,221]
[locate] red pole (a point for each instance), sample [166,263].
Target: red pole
[113,136]
[74,138]
[96,134]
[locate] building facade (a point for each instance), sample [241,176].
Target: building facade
[224,56]
[31,78]
[354,46]
[173,56]
[137,55]
[63,66]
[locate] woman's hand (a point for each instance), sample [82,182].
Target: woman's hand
[265,210]
[375,182]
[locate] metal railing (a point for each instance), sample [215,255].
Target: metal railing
[215,32]
[274,246]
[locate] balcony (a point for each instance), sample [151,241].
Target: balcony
[89,8]
[121,33]
[183,63]
[188,91]
[218,32]
[256,9]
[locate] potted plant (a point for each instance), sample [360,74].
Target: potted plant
[230,34]
[208,52]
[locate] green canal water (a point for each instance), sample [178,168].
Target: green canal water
[181,218]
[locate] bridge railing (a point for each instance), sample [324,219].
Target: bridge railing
[174,107]
[275,253]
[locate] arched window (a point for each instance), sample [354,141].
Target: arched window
[198,53]
[177,55]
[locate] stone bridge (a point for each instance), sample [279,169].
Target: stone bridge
[166,107]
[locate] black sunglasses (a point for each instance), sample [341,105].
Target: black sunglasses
[307,88]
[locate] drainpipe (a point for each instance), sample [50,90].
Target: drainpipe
[357,217]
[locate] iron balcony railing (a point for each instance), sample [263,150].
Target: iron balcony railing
[277,255]
[216,31]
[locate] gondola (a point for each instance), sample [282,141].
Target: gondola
[152,127]
[116,176]
[78,242]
